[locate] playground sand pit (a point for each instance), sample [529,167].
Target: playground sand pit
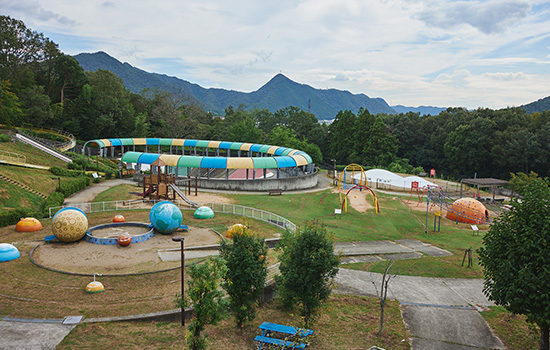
[89,258]
[357,199]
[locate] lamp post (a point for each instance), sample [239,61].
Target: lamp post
[333,171]
[59,183]
[180,239]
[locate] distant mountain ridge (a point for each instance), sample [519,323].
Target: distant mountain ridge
[278,93]
[423,110]
[538,106]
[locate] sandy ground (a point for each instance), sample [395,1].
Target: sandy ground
[85,257]
[358,200]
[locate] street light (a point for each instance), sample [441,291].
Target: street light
[180,239]
[59,183]
[333,171]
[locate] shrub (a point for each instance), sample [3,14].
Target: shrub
[245,258]
[4,138]
[308,264]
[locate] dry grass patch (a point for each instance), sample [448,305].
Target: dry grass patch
[346,322]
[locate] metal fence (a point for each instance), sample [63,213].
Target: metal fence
[265,216]
[11,157]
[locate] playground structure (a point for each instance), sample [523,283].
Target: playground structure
[216,164]
[464,210]
[163,186]
[361,185]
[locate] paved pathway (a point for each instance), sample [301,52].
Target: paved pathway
[440,313]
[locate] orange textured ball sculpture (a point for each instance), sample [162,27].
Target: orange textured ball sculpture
[469,211]
[28,225]
[118,218]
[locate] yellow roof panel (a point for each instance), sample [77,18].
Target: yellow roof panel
[178,142]
[240,163]
[300,160]
[170,159]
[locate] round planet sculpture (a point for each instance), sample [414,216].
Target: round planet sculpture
[204,213]
[124,240]
[8,252]
[468,210]
[118,218]
[28,225]
[69,224]
[237,229]
[165,217]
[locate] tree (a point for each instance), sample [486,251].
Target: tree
[244,281]
[308,265]
[383,294]
[21,47]
[515,258]
[206,299]
[10,111]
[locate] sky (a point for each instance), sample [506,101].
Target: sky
[474,54]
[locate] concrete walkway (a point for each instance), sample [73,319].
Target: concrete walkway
[440,313]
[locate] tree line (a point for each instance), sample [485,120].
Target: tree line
[42,87]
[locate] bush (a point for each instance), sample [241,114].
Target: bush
[245,258]
[59,171]
[308,264]
[12,217]
[4,138]
[55,199]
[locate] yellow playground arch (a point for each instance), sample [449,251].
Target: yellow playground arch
[361,184]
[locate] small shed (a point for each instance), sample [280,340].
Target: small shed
[488,182]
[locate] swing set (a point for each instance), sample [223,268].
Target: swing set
[363,184]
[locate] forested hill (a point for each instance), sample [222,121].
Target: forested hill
[278,93]
[538,106]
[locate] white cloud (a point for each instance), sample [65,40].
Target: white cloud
[488,17]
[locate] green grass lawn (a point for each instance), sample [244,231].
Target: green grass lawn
[33,155]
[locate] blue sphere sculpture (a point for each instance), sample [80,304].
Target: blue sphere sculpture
[165,217]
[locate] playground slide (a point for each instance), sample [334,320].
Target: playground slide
[43,148]
[180,193]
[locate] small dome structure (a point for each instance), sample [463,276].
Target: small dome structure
[469,211]
[204,213]
[28,225]
[8,252]
[118,218]
[95,287]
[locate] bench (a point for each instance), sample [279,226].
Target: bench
[277,192]
[280,342]
[268,327]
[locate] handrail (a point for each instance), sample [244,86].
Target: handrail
[227,208]
[12,157]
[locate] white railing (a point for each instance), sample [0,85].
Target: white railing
[265,216]
[11,157]
[272,271]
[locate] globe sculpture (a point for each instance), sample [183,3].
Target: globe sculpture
[69,224]
[204,213]
[165,217]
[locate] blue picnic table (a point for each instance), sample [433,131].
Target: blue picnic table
[269,328]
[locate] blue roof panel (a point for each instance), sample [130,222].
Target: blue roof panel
[148,158]
[191,143]
[214,162]
[285,162]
